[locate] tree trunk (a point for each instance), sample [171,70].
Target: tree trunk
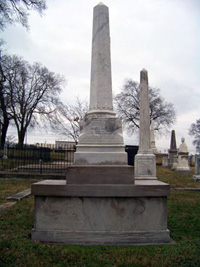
[6,120]
[21,136]
[4,130]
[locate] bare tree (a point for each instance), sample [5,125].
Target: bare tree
[33,92]
[12,11]
[4,104]
[128,108]
[70,118]
[194,131]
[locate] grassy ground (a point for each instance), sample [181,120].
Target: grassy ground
[16,248]
[175,179]
[11,187]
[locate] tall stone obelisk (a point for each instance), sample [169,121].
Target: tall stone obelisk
[101,140]
[145,163]
[101,81]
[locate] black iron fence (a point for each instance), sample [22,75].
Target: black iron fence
[36,159]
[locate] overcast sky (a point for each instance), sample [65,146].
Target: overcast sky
[162,36]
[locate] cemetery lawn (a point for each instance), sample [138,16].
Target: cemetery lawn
[17,249]
[11,187]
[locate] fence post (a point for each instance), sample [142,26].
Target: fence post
[5,152]
[40,162]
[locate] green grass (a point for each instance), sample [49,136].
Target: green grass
[11,187]
[17,249]
[176,180]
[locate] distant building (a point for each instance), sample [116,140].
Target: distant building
[64,144]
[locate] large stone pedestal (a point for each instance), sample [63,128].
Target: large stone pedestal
[111,211]
[101,140]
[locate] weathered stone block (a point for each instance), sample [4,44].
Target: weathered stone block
[100,174]
[145,166]
[101,214]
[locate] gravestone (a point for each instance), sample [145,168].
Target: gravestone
[165,162]
[183,164]
[173,149]
[175,163]
[196,176]
[101,203]
[197,164]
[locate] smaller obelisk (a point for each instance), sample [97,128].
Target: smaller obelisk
[173,149]
[145,162]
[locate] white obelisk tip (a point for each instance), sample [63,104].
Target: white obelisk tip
[144,70]
[101,4]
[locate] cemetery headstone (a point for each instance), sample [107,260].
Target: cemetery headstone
[196,176]
[197,164]
[183,158]
[165,162]
[175,162]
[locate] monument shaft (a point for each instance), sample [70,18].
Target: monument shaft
[101,139]
[145,163]
[101,82]
[144,145]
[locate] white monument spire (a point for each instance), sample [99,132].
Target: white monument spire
[101,139]
[144,145]
[101,81]
[101,4]
[145,163]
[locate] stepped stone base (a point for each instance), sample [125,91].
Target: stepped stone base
[112,238]
[101,214]
[100,174]
[183,170]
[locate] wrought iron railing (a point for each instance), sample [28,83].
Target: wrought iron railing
[36,159]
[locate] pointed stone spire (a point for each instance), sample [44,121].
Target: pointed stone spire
[101,4]
[101,81]
[144,146]
[173,141]
[173,149]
